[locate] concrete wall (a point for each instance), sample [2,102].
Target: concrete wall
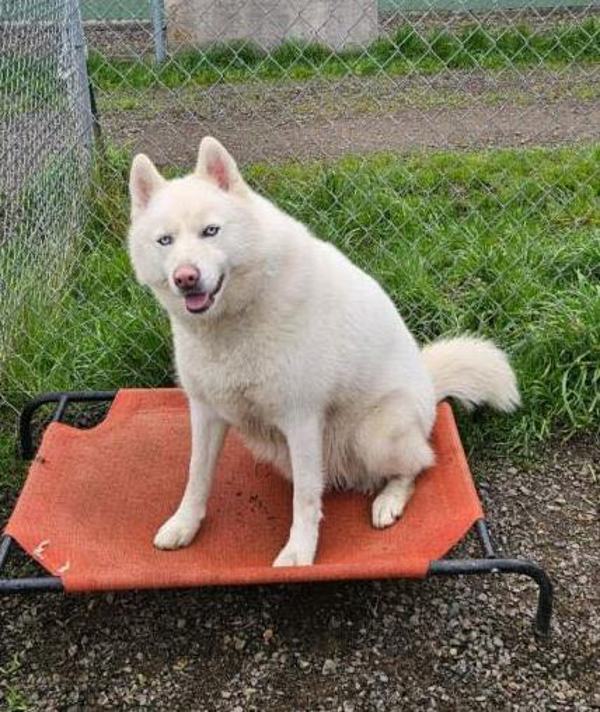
[336,23]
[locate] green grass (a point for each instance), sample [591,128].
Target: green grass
[503,243]
[403,51]
[41,246]
[97,316]
[28,83]
[12,698]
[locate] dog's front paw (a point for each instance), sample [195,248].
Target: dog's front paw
[292,555]
[176,532]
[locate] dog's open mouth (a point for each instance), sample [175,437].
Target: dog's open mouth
[197,302]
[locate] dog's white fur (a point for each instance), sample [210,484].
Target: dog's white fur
[301,351]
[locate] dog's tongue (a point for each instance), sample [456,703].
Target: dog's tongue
[194,302]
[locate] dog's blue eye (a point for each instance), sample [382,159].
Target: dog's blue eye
[210,230]
[165,240]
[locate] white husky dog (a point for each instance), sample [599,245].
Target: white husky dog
[278,334]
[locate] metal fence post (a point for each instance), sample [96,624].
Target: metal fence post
[80,84]
[158,29]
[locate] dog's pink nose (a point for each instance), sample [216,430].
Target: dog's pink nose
[186,277]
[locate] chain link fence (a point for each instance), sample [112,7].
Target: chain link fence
[46,161]
[450,148]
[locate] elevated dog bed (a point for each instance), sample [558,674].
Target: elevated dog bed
[94,499]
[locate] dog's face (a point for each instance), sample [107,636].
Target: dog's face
[193,239]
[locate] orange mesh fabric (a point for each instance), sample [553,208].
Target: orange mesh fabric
[94,499]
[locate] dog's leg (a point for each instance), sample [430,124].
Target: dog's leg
[208,432]
[305,443]
[394,449]
[401,459]
[390,502]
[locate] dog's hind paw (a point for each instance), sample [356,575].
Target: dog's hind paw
[386,510]
[390,502]
[176,532]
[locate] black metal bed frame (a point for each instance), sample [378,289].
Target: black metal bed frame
[491,563]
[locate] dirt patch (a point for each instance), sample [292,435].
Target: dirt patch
[367,646]
[323,119]
[538,17]
[120,40]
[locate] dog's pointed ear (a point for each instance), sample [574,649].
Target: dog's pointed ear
[144,181]
[216,165]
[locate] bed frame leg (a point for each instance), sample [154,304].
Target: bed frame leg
[545,598]
[457,567]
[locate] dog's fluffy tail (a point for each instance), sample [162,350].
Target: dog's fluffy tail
[473,371]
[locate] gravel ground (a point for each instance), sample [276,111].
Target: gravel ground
[439,644]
